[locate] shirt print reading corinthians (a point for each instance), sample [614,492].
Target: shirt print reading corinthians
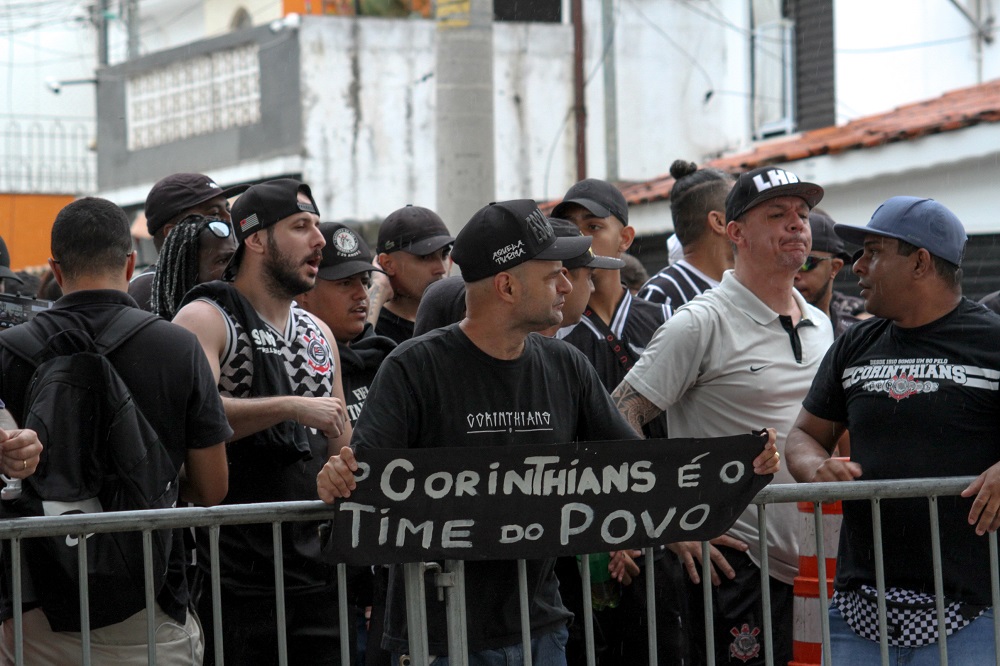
[900,378]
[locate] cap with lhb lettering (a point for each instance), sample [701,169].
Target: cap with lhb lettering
[264,205]
[598,196]
[924,223]
[764,183]
[178,192]
[413,229]
[345,254]
[504,234]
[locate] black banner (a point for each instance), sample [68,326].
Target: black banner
[416,505]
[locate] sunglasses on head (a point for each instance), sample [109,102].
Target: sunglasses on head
[812,262]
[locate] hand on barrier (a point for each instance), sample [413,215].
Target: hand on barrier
[623,567]
[985,513]
[336,479]
[837,469]
[689,553]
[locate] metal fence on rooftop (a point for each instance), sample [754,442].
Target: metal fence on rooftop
[47,155]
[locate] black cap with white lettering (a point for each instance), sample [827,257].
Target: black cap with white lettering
[768,182]
[505,234]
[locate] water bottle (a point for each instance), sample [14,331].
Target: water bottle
[12,487]
[605,592]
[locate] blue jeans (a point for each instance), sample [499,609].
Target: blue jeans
[547,650]
[971,645]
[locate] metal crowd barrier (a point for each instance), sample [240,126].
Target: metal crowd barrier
[450,581]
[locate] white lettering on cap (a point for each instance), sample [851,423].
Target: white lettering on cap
[508,253]
[775,178]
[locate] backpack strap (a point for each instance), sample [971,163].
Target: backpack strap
[23,341]
[123,326]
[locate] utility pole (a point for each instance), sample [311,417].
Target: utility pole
[464,83]
[610,91]
[131,12]
[100,12]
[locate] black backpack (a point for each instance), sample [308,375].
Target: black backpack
[101,454]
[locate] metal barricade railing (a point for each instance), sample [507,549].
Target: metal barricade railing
[449,580]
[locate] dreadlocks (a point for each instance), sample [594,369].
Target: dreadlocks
[177,267]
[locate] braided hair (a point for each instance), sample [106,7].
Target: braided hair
[695,194]
[177,267]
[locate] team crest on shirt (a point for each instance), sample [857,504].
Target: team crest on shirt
[745,645]
[318,352]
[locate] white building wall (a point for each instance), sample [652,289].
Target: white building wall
[892,52]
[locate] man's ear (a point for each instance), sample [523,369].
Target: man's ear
[627,237]
[255,242]
[388,264]
[506,286]
[56,272]
[924,264]
[130,265]
[835,265]
[717,222]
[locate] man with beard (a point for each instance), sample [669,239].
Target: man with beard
[738,357]
[279,378]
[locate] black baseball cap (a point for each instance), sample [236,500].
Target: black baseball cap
[598,196]
[413,229]
[174,194]
[505,234]
[921,222]
[566,229]
[5,271]
[345,254]
[825,239]
[263,205]
[768,182]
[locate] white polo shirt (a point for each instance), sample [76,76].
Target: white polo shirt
[724,365]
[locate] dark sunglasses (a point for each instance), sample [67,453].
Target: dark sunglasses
[219,228]
[812,262]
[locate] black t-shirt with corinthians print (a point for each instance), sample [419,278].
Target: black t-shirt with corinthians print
[441,390]
[919,402]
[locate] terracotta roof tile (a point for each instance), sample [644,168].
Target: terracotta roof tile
[951,111]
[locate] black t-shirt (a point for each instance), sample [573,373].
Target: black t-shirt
[443,303]
[442,390]
[393,326]
[634,323]
[919,402]
[359,362]
[166,371]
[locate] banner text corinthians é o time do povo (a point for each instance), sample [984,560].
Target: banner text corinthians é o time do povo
[536,501]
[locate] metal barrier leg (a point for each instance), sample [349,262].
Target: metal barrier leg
[765,585]
[82,569]
[995,589]
[932,505]
[147,570]
[416,620]
[525,604]
[651,607]
[345,617]
[15,549]
[458,635]
[213,545]
[588,612]
[279,592]
[883,634]
[706,594]
[824,601]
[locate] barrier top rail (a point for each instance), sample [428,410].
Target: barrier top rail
[242,514]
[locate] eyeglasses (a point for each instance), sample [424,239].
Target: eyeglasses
[219,228]
[812,262]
